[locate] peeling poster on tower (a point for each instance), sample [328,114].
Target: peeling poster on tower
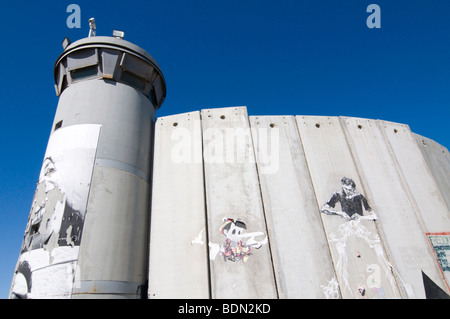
[49,254]
[441,246]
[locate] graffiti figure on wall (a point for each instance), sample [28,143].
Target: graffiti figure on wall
[352,204]
[234,248]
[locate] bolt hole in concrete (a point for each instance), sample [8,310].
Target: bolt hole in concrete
[222,117]
[395,130]
[272,125]
[175,124]
[317,125]
[360,126]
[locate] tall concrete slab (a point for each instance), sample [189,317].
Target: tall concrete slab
[438,161]
[300,251]
[361,263]
[424,192]
[178,235]
[409,250]
[422,187]
[240,259]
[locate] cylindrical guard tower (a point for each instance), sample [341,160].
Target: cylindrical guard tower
[87,232]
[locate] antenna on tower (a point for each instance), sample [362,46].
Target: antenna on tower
[92,27]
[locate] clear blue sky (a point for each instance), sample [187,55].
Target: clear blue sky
[315,57]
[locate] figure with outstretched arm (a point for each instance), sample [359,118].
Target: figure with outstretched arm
[234,248]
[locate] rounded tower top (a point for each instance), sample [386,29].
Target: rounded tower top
[110,58]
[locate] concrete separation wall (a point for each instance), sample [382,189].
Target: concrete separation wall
[178,253]
[240,259]
[296,207]
[296,232]
[356,248]
[438,162]
[392,203]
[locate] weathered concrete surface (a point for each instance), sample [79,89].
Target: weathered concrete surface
[120,185]
[360,260]
[438,162]
[178,236]
[120,192]
[437,159]
[233,192]
[297,237]
[409,250]
[429,204]
[422,187]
